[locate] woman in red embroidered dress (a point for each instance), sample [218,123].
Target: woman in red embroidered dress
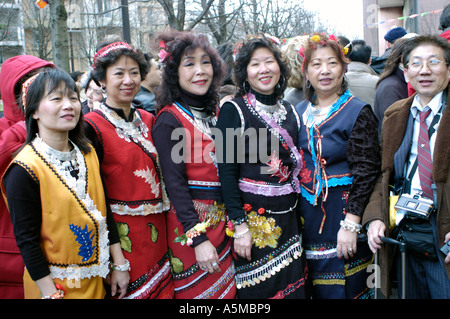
[129,164]
[199,249]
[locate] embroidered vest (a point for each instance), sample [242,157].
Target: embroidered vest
[74,235]
[271,162]
[327,166]
[199,153]
[130,166]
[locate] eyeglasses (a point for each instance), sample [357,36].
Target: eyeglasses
[95,91]
[432,64]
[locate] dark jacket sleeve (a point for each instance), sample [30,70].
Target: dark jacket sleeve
[364,158]
[229,167]
[24,203]
[174,174]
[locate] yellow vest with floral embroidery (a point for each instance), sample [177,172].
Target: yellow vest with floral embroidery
[74,236]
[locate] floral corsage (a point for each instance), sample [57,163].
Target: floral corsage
[186,239]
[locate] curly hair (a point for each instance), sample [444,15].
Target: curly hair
[102,63]
[321,40]
[177,44]
[294,60]
[244,55]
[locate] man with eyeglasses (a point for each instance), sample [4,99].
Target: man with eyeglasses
[416,169]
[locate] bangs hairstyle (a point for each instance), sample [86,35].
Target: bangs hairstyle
[102,63]
[44,84]
[337,48]
[243,59]
[178,44]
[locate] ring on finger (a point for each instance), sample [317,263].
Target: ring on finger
[214,264]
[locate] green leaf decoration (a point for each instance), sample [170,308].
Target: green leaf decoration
[180,239]
[154,232]
[125,241]
[175,263]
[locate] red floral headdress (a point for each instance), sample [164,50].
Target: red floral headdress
[109,48]
[163,53]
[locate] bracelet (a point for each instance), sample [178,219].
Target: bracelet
[351,226]
[124,267]
[59,294]
[241,234]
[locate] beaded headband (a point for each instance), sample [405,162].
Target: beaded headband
[25,87]
[320,38]
[109,48]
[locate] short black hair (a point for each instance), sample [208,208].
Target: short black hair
[444,20]
[244,55]
[361,52]
[416,41]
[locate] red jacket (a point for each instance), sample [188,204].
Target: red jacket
[12,136]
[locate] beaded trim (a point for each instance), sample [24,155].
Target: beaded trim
[277,112]
[203,124]
[135,131]
[212,213]
[269,265]
[224,280]
[202,276]
[152,283]
[78,186]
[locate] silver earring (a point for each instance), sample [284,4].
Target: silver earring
[308,84]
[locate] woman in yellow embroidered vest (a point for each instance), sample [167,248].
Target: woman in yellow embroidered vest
[56,199]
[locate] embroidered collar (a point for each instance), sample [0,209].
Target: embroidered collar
[126,130]
[277,111]
[201,120]
[78,186]
[285,138]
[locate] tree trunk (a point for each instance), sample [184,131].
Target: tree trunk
[60,35]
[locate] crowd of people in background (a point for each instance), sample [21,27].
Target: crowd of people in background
[253,170]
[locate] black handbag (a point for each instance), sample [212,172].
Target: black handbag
[417,234]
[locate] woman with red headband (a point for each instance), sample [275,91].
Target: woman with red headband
[56,200]
[130,169]
[341,162]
